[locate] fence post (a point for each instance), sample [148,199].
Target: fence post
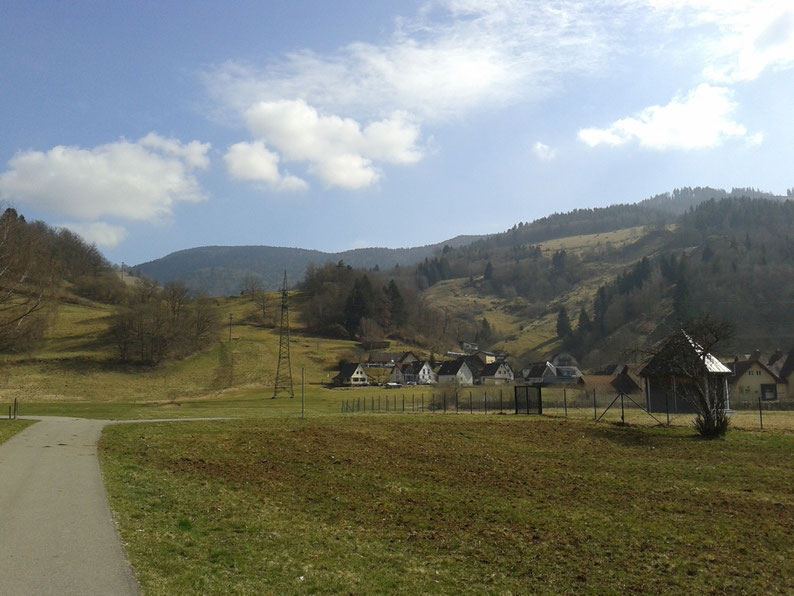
[565,400]
[486,402]
[456,401]
[413,403]
[423,402]
[445,401]
[403,402]
[622,411]
[379,403]
[501,408]
[9,412]
[471,406]
[760,413]
[16,408]
[595,410]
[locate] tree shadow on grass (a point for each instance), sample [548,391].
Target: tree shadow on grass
[641,436]
[87,366]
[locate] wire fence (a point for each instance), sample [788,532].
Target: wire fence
[480,400]
[595,405]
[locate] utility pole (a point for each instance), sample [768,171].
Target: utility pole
[283,382]
[231,316]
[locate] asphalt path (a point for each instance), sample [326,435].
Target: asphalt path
[57,534]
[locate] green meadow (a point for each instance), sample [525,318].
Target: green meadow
[407,504]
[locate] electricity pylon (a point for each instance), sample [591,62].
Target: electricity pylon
[283,382]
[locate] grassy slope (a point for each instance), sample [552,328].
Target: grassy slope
[421,504]
[75,371]
[537,337]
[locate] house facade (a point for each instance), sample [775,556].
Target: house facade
[752,380]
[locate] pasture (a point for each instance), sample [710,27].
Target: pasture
[448,504]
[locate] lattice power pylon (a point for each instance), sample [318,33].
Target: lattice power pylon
[283,382]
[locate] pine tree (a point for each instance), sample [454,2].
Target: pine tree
[563,324]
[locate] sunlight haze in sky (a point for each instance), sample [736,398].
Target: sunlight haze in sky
[151,127]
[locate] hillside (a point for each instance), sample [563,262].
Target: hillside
[220,270]
[732,258]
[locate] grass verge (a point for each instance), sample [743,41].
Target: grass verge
[422,504]
[8,428]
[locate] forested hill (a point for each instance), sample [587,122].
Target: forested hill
[220,270]
[658,210]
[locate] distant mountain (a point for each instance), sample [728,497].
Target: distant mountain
[220,270]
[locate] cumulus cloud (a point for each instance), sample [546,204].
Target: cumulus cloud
[139,180]
[255,162]
[103,234]
[543,152]
[336,149]
[701,119]
[346,114]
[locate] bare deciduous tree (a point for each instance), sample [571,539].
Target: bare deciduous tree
[27,282]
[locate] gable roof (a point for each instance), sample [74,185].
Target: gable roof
[537,370]
[787,367]
[451,367]
[659,365]
[742,366]
[491,369]
[348,370]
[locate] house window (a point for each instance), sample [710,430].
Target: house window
[769,392]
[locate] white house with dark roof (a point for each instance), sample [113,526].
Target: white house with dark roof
[351,375]
[496,373]
[456,372]
[420,373]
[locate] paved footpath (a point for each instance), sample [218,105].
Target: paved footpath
[57,535]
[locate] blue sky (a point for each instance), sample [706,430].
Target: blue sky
[150,127]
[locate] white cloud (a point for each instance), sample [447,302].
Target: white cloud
[700,120]
[255,162]
[449,59]
[347,113]
[103,234]
[336,149]
[140,180]
[543,152]
[739,40]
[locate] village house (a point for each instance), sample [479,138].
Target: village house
[751,380]
[381,360]
[546,373]
[456,372]
[420,373]
[496,373]
[408,357]
[351,375]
